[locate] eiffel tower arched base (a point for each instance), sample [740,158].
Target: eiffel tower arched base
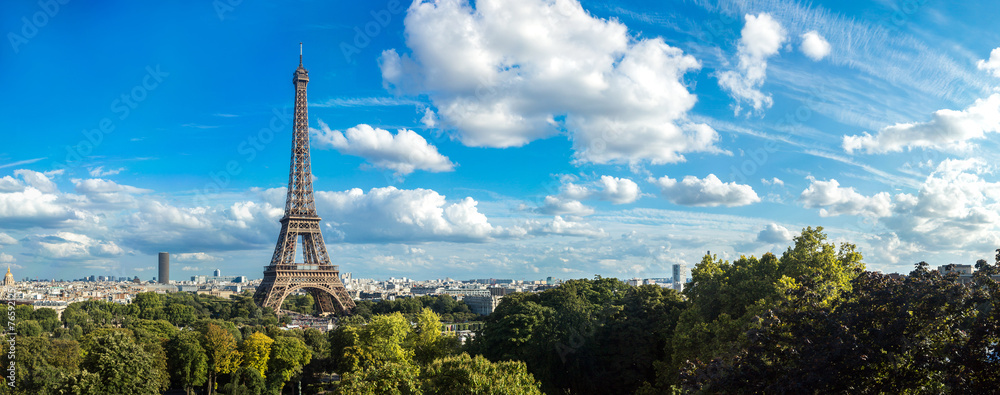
[328,293]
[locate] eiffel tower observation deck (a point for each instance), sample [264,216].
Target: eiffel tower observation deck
[315,274]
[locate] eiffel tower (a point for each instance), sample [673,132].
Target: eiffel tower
[316,275]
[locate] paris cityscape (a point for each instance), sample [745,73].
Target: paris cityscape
[496,197]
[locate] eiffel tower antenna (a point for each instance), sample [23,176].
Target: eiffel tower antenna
[316,274]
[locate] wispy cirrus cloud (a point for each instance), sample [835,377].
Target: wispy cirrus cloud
[366,102]
[21,162]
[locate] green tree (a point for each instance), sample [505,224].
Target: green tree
[726,298]
[151,330]
[925,333]
[65,354]
[245,380]
[31,364]
[288,356]
[29,328]
[122,364]
[425,340]
[188,364]
[564,335]
[390,378]
[463,374]
[48,318]
[180,314]
[381,342]
[220,349]
[149,304]
[255,351]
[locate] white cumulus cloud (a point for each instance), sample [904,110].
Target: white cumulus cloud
[947,129]
[774,234]
[403,153]
[814,45]
[69,245]
[618,190]
[403,215]
[568,202]
[562,227]
[992,65]
[833,200]
[506,73]
[706,192]
[37,180]
[760,39]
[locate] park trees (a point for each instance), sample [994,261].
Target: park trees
[464,374]
[288,356]
[123,365]
[188,364]
[221,353]
[586,336]
[255,351]
[925,333]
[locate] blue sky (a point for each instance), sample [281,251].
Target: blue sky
[497,139]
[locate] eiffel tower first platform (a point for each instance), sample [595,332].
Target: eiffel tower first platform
[316,275]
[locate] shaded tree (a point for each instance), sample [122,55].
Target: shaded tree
[187,362]
[288,356]
[123,366]
[463,374]
[220,351]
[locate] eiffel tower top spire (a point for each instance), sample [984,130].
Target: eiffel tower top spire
[299,202]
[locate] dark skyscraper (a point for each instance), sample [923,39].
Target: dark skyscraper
[164,277]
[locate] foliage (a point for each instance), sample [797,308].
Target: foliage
[463,374]
[220,349]
[288,356]
[188,365]
[449,309]
[586,336]
[299,303]
[725,298]
[245,380]
[123,365]
[391,378]
[426,340]
[255,351]
[923,334]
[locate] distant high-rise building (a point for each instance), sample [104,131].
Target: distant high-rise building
[164,277]
[218,273]
[678,277]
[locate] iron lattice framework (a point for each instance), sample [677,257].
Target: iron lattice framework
[316,275]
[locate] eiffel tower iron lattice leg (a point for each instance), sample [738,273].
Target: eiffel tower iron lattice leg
[316,274]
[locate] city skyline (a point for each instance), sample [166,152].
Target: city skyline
[542,139]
